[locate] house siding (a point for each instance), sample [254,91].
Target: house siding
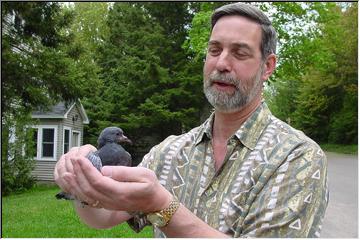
[44,170]
[76,125]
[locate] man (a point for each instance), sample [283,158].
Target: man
[242,173]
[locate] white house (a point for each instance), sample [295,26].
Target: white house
[57,131]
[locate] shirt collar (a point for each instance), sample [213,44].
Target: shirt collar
[249,132]
[205,129]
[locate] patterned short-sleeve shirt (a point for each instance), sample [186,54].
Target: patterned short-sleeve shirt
[273,182]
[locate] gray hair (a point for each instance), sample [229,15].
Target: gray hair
[268,41]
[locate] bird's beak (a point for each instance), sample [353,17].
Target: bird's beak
[124,139]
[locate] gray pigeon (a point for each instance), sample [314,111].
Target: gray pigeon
[109,153]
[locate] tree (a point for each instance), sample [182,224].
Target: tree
[39,68]
[33,70]
[327,103]
[89,31]
[145,86]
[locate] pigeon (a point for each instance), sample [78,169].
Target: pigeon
[109,153]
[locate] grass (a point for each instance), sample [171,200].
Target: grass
[37,214]
[338,148]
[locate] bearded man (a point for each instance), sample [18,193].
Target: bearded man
[242,173]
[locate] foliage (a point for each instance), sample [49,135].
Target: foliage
[33,70]
[36,213]
[146,83]
[40,66]
[199,33]
[340,148]
[88,30]
[327,100]
[17,152]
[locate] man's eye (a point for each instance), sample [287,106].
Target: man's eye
[214,51]
[241,55]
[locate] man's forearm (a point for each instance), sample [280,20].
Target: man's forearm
[99,217]
[185,224]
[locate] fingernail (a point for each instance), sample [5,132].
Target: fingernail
[67,177]
[106,171]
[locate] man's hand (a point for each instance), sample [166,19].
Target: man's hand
[117,187]
[117,190]
[64,170]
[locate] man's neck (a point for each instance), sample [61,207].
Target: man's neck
[226,124]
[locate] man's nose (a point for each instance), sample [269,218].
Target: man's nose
[223,63]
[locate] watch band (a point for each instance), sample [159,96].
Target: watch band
[171,209]
[162,218]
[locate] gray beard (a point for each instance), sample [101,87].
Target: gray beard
[225,102]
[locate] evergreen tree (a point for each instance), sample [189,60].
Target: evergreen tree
[147,89]
[39,68]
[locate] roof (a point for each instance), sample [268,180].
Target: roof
[60,111]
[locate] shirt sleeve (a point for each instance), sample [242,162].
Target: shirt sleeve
[293,201]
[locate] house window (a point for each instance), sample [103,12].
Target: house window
[66,140]
[75,138]
[48,142]
[45,142]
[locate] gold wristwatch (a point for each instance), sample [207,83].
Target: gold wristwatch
[162,218]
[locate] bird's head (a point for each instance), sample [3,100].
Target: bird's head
[112,135]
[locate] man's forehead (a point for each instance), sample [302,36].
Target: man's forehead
[234,21]
[239,30]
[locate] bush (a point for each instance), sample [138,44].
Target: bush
[344,124]
[16,152]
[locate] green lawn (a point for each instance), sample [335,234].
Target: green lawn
[347,149]
[37,214]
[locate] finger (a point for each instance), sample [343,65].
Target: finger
[64,165]
[71,154]
[128,174]
[125,192]
[97,204]
[84,187]
[59,171]
[76,152]
[73,187]
[58,167]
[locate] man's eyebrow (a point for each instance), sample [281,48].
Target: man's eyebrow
[213,42]
[236,45]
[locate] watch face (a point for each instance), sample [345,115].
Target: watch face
[156,219]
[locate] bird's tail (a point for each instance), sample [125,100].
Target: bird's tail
[64,195]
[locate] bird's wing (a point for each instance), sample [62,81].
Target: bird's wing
[114,155]
[95,160]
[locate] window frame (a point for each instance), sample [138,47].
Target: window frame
[78,138]
[70,138]
[40,142]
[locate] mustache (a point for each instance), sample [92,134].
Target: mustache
[223,78]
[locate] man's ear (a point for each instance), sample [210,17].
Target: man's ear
[269,66]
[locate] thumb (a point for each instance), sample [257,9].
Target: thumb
[128,174]
[107,171]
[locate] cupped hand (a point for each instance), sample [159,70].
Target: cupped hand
[118,187]
[64,169]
